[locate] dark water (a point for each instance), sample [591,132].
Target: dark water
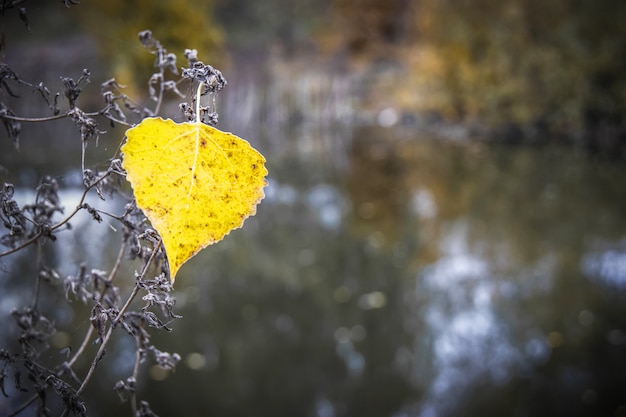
[386,274]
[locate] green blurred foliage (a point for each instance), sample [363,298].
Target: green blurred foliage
[528,61]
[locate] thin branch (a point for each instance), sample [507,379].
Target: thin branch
[116,266]
[61,116]
[23,406]
[110,117]
[22,246]
[38,281]
[33,119]
[133,397]
[79,206]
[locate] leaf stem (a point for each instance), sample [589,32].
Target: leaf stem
[157,108]
[198,95]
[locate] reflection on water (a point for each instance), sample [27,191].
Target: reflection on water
[389,274]
[606,264]
[470,339]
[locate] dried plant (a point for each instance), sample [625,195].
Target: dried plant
[149,303]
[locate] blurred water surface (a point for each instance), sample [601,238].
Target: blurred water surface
[386,273]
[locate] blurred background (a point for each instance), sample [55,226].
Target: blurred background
[444,230]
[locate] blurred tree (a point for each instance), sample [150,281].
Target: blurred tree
[370,23]
[526,62]
[555,66]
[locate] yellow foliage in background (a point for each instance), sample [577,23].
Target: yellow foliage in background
[503,62]
[177,24]
[491,63]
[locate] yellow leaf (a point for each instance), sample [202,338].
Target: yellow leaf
[194,182]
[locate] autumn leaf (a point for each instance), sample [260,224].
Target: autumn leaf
[194,182]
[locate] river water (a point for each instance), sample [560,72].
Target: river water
[386,273]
